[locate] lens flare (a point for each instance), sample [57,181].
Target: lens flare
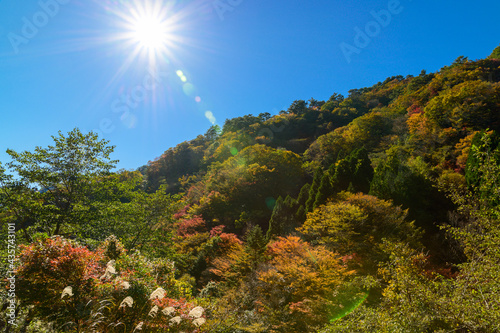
[270,203]
[349,307]
[210,116]
[234,151]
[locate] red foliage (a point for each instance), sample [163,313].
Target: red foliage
[228,241]
[181,213]
[191,226]
[217,231]
[49,266]
[414,109]
[58,258]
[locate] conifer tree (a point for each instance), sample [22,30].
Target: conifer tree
[318,174]
[471,175]
[362,170]
[303,195]
[325,190]
[283,220]
[343,174]
[300,214]
[276,223]
[256,245]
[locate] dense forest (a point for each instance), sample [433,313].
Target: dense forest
[372,212]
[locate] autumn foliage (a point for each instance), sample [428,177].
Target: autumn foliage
[371,212]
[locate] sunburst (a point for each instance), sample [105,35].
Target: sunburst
[150,29]
[149,26]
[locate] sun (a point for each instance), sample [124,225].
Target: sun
[149,29]
[150,32]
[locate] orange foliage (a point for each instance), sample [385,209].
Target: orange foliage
[301,281]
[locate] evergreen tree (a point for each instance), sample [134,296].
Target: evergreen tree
[303,195]
[276,223]
[301,214]
[471,175]
[362,170]
[318,174]
[325,190]
[391,178]
[283,220]
[343,174]
[290,202]
[256,245]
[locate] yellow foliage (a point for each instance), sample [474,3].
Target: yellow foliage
[462,149]
[356,225]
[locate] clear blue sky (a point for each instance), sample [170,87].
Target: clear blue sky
[78,66]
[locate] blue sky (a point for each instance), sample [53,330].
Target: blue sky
[72,63]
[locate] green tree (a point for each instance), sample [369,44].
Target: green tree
[473,174]
[301,202]
[213,133]
[63,176]
[298,107]
[495,54]
[284,220]
[318,174]
[304,194]
[353,173]
[362,170]
[256,246]
[407,182]
[18,204]
[325,190]
[147,222]
[342,176]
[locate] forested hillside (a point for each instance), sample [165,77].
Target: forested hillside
[372,212]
